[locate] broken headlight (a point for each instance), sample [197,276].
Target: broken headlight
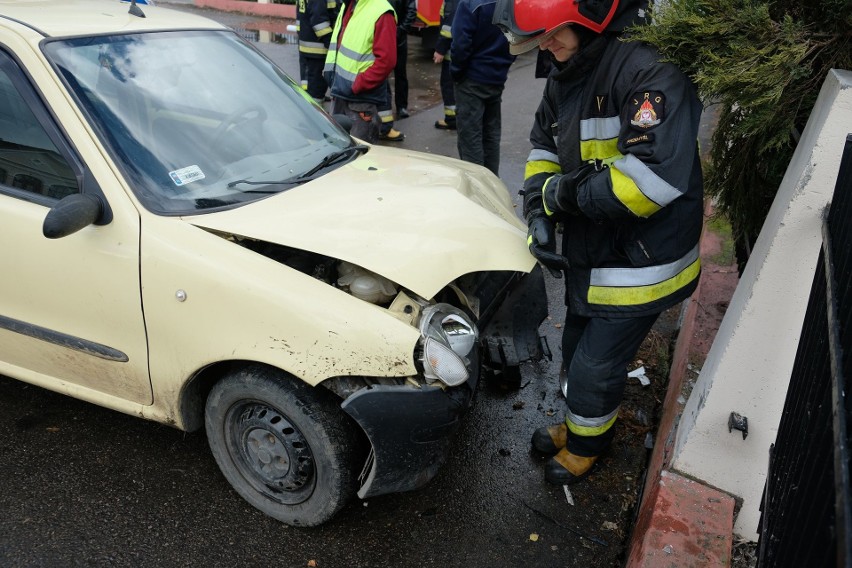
[448,337]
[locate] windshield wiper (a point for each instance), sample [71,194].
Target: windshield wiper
[329,160]
[332,159]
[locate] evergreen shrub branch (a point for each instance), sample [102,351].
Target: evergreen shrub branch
[763,63]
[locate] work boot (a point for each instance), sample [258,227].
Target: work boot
[392,135]
[550,439]
[566,468]
[402,113]
[448,124]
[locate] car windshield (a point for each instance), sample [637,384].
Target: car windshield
[198,120]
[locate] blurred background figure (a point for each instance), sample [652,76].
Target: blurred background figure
[406,13]
[479,64]
[360,59]
[314,26]
[442,56]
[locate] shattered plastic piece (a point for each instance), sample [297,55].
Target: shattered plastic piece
[568,496]
[640,374]
[681,400]
[534,537]
[668,549]
[738,422]
[649,441]
[610,526]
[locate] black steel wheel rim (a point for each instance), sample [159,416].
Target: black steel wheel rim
[270,452]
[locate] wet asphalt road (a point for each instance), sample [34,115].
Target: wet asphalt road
[85,486]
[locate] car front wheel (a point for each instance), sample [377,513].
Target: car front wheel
[286,447]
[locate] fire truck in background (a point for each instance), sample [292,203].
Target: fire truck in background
[428,23]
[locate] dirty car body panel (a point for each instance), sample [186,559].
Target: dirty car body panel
[238,238]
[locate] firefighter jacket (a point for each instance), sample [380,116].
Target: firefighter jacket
[315,19]
[351,52]
[632,241]
[445,36]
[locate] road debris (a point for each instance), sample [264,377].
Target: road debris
[564,526]
[568,496]
[640,374]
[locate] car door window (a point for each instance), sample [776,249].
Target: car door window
[30,162]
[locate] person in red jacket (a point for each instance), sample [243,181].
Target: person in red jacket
[361,57]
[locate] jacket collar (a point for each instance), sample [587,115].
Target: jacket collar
[583,61]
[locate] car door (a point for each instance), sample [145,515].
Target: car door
[70,308]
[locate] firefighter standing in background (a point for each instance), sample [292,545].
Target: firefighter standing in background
[615,160]
[314,28]
[406,13]
[442,56]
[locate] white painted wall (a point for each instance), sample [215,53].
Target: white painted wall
[749,364]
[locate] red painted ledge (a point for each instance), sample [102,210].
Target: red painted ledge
[690,526]
[681,523]
[253,8]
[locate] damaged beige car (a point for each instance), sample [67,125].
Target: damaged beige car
[194,241]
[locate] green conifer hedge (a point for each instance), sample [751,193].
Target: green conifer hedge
[763,62]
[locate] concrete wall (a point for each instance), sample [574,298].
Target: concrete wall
[749,364]
[260,8]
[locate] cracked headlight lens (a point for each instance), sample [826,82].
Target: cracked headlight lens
[449,337]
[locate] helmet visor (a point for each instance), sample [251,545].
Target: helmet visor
[522,44]
[523,21]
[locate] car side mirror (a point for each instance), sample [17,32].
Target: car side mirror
[71,214]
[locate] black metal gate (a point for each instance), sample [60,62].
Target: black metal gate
[806,517]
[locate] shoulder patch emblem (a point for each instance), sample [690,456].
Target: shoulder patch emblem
[648,109]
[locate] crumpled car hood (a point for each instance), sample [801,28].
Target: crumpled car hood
[420,220]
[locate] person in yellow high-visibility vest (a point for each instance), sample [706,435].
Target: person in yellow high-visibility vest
[360,58]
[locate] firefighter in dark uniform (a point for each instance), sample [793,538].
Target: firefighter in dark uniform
[316,20]
[615,161]
[442,56]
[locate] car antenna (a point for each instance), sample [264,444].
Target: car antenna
[136,10]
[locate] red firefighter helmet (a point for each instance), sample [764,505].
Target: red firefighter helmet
[527,23]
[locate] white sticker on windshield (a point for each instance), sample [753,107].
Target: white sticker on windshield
[186,175]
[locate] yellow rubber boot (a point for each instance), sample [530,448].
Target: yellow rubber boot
[550,439]
[566,468]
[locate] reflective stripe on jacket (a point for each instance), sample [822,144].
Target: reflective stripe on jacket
[353,55]
[633,247]
[314,26]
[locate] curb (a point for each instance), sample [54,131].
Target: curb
[252,8]
[681,522]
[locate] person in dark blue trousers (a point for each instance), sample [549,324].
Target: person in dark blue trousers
[479,64]
[442,57]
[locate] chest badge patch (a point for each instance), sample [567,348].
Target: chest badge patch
[648,109]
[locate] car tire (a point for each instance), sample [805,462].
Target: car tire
[286,447]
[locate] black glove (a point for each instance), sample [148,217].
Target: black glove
[541,238]
[559,192]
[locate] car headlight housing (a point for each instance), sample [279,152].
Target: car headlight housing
[448,338]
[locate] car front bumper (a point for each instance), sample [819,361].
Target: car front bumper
[410,430]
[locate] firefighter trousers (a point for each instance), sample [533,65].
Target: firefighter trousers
[596,352]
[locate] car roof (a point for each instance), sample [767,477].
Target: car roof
[59,18]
